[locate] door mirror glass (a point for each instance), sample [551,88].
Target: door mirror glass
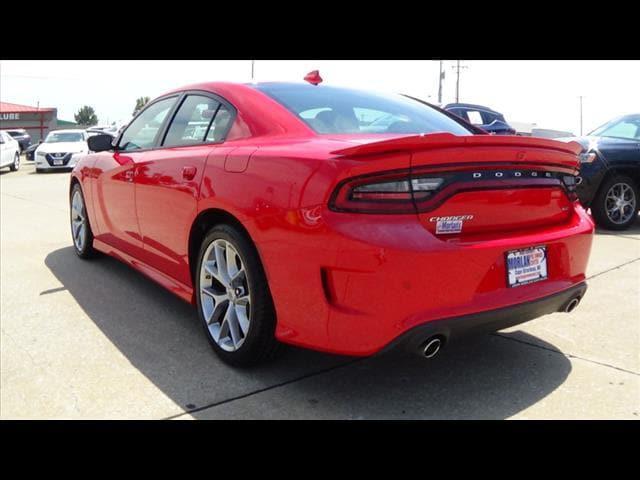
[100,143]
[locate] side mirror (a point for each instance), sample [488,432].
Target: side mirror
[100,143]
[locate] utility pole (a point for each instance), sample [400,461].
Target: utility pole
[457,68]
[457,80]
[252,65]
[580,115]
[440,84]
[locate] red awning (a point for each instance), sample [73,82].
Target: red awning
[6,107]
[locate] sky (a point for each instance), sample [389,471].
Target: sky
[542,92]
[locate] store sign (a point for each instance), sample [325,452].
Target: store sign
[9,116]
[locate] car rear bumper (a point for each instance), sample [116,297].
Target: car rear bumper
[485,322]
[368,281]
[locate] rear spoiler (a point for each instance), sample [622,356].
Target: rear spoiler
[428,141]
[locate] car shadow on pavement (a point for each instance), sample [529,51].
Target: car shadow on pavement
[492,376]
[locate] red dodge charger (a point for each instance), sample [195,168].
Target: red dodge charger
[334,219]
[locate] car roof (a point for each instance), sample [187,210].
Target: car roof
[470,105]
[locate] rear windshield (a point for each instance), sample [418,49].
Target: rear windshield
[64,137]
[342,110]
[16,133]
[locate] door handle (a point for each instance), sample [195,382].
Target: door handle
[189,172]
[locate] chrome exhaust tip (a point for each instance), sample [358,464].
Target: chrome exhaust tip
[572,304]
[432,347]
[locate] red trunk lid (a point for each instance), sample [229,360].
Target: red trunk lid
[490,183]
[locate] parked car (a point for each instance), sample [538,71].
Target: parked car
[21,136]
[286,222]
[9,151]
[30,152]
[61,150]
[483,117]
[609,181]
[108,129]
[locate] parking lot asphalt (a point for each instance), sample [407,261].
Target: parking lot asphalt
[98,340]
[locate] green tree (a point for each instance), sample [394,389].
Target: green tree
[140,102]
[86,116]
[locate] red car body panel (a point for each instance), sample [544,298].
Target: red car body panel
[341,282]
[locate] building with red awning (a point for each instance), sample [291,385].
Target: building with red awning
[37,121]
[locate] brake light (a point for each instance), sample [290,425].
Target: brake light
[394,193]
[570,182]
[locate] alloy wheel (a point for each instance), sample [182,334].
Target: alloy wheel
[620,203]
[224,295]
[78,220]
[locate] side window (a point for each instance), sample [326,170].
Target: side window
[1,137]
[459,113]
[142,132]
[488,118]
[220,125]
[474,116]
[192,121]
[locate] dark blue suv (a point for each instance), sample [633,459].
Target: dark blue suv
[483,117]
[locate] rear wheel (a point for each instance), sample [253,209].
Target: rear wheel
[616,204]
[80,229]
[233,299]
[16,163]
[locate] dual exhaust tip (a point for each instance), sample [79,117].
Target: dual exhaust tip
[433,345]
[571,306]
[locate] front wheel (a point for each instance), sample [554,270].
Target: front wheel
[16,163]
[616,204]
[233,298]
[80,228]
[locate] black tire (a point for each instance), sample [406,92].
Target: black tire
[87,251]
[16,163]
[39,170]
[599,205]
[259,345]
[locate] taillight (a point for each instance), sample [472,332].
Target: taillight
[570,182]
[388,193]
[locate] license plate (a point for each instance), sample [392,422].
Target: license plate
[526,266]
[57,162]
